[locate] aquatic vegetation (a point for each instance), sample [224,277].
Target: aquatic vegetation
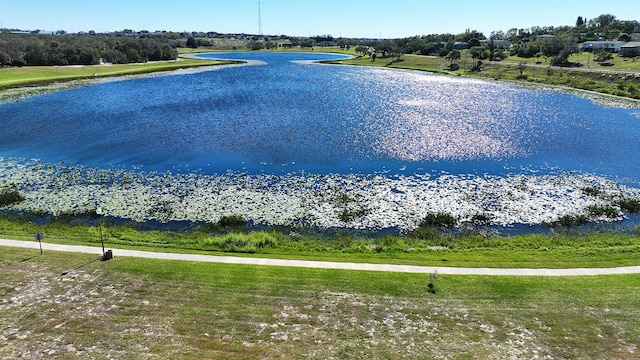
[606,211]
[302,199]
[630,205]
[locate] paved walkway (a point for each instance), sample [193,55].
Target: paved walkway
[325,264]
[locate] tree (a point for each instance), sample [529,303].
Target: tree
[473,42]
[192,43]
[624,37]
[603,21]
[452,56]
[475,51]
[361,49]
[255,45]
[579,21]
[602,57]
[521,67]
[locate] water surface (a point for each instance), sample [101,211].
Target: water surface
[287,114]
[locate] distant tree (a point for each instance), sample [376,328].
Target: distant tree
[579,21]
[191,42]
[203,42]
[551,46]
[452,56]
[603,21]
[475,51]
[603,57]
[562,59]
[521,67]
[473,42]
[255,45]
[497,35]
[361,49]
[624,37]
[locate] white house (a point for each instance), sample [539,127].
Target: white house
[595,46]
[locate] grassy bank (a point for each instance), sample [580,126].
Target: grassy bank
[40,75]
[141,309]
[620,82]
[423,247]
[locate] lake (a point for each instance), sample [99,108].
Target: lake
[284,114]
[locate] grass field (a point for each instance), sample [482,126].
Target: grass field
[152,309]
[593,78]
[36,75]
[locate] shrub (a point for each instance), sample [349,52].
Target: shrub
[246,243]
[432,280]
[231,221]
[347,215]
[630,205]
[591,191]
[481,219]
[571,220]
[10,197]
[422,233]
[439,219]
[606,211]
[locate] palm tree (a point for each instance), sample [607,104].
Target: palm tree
[453,55]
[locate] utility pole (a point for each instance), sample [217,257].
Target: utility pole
[259,19]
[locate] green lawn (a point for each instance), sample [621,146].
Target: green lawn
[28,75]
[590,78]
[595,249]
[139,309]
[587,61]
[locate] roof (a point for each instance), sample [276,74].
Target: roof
[604,42]
[632,44]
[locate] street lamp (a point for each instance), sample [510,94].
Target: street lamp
[105,255]
[99,213]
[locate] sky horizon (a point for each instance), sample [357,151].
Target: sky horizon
[350,18]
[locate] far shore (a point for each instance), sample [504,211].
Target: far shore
[30,76]
[64,76]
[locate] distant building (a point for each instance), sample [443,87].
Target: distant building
[460,45]
[630,49]
[595,46]
[499,43]
[635,36]
[544,37]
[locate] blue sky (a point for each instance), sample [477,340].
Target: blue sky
[348,18]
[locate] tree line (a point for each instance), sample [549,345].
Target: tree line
[30,49]
[526,43]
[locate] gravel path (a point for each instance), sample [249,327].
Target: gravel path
[325,264]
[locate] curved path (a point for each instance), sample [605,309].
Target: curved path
[325,264]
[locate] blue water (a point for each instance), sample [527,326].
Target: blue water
[287,115]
